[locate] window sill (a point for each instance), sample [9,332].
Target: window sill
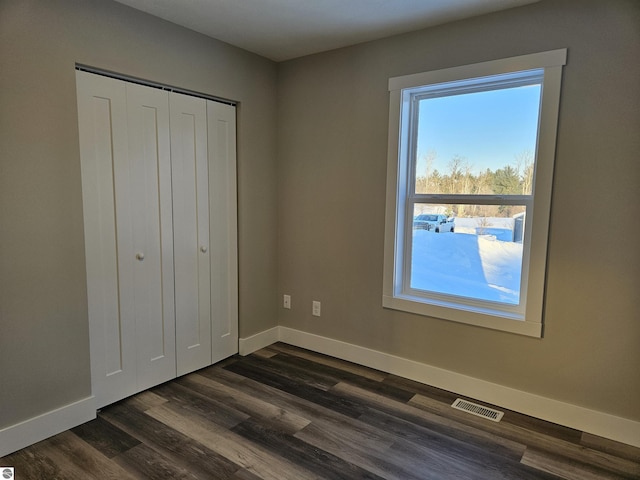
[495,320]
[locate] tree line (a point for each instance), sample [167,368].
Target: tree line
[514,179]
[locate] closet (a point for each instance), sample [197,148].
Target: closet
[159,197]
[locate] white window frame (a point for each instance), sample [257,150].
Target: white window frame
[526,318]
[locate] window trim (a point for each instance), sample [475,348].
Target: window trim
[529,320]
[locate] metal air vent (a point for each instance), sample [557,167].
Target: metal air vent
[478,410]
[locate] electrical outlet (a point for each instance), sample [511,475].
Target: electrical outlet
[286,303]
[315,308]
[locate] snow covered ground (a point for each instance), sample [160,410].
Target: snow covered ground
[499,227]
[468,265]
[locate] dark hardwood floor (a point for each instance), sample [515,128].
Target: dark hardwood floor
[289,414]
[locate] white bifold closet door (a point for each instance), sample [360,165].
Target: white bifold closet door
[191,231]
[158,181]
[151,211]
[223,230]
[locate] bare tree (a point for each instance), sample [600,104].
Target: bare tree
[483,224]
[460,180]
[525,163]
[424,183]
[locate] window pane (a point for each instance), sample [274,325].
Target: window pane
[472,251]
[477,143]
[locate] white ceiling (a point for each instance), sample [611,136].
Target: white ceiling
[285,29]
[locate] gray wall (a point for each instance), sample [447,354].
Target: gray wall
[44,348]
[332,144]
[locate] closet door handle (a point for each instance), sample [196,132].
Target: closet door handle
[140,256]
[203,249]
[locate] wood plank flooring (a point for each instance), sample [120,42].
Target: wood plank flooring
[284,413]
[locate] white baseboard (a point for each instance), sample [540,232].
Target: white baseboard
[590,421]
[259,340]
[33,430]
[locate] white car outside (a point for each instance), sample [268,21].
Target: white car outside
[434,222]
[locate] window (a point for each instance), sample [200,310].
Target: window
[470,167]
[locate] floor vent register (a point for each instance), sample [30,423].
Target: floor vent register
[478,410]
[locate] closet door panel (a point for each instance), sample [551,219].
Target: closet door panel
[150,166]
[221,121]
[191,231]
[108,235]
